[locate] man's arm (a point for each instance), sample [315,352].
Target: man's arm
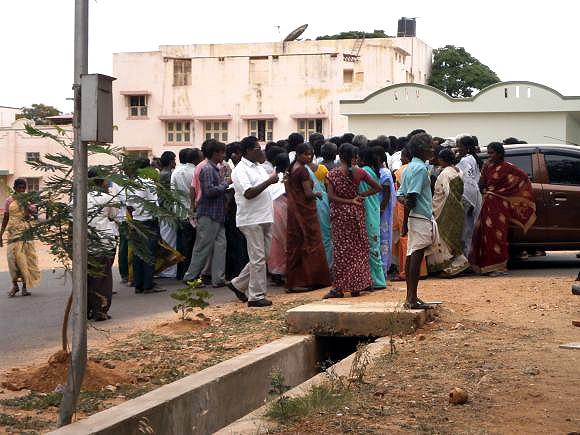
[410,203]
[252,192]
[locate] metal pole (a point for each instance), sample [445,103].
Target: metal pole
[79,264]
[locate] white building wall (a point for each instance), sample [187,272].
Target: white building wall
[573,129]
[488,127]
[528,111]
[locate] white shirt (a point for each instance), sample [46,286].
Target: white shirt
[148,193]
[119,196]
[181,179]
[395,161]
[257,210]
[101,215]
[471,174]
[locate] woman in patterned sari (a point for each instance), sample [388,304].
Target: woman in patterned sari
[22,259]
[350,268]
[447,256]
[507,199]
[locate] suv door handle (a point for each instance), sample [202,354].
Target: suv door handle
[560,199]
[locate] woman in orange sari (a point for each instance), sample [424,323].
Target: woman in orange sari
[507,199]
[400,242]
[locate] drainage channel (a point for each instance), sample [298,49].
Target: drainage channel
[205,402]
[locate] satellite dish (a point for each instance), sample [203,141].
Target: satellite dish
[295,33]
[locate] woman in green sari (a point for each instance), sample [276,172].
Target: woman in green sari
[369,162]
[447,257]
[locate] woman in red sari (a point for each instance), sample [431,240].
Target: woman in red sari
[350,268]
[306,265]
[507,199]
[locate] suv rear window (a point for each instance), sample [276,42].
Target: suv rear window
[522,161]
[563,169]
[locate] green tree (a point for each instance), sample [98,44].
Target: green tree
[458,73]
[353,34]
[38,113]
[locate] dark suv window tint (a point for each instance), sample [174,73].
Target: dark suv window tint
[563,169]
[522,161]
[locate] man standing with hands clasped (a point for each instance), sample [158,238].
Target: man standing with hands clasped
[415,192]
[254,218]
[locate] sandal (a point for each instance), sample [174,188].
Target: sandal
[13,292]
[333,294]
[25,292]
[417,305]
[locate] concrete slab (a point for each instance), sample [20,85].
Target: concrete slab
[573,345]
[354,318]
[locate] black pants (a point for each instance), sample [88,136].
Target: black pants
[123,251]
[237,249]
[185,242]
[100,285]
[143,270]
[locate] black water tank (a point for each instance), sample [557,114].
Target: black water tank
[407,27]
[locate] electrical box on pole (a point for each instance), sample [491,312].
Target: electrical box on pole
[97,108]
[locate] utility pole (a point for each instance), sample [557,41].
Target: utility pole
[78,358]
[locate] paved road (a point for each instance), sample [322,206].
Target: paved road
[30,326]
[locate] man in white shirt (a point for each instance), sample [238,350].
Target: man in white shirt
[181,179]
[143,269]
[254,218]
[101,252]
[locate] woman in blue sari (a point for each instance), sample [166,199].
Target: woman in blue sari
[388,202]
[372,204]
[323,211]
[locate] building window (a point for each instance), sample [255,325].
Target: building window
[33,184]
[308,126]
[181,72]
[137,106]
[33,157]
[261,128]
[217,130]
[178,132]
[347,75]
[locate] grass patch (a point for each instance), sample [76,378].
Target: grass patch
[23,423]
[33,401]
[320,397]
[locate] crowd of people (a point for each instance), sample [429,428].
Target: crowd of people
[347,213]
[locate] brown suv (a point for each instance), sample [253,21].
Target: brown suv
[554,171]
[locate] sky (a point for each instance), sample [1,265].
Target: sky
[516,39]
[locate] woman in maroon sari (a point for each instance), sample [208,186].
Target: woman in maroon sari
[350,268]
[507,199]
[306,265]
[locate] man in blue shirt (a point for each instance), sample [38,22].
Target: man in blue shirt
[415,192]
[211,215]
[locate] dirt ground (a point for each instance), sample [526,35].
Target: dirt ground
[497,338]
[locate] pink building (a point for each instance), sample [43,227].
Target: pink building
[179,96]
